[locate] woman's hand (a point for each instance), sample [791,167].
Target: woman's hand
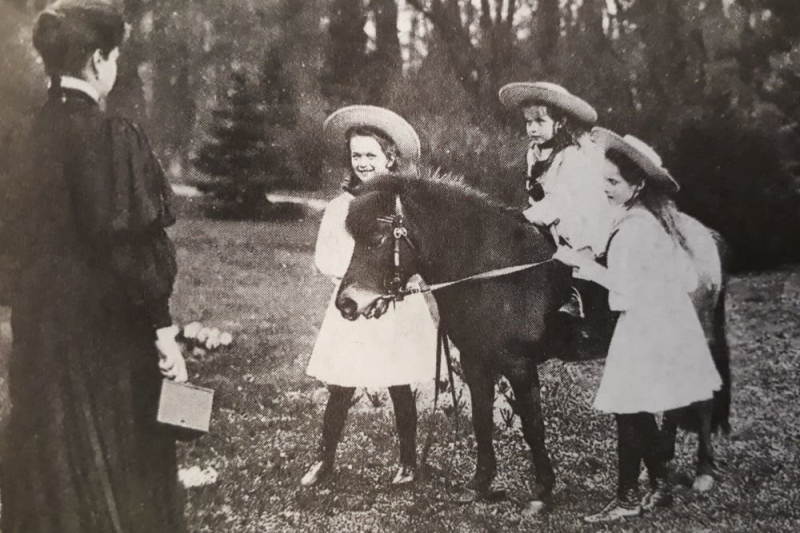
[172,363]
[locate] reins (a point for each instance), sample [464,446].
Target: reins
[395,287]
[496,273]
[442,346]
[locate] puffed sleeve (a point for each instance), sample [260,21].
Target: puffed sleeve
[645,268]
[123,207]
[575,198]
[335,246]
[580,200]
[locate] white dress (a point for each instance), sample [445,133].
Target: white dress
[397,349]
[574,196]
[659,357]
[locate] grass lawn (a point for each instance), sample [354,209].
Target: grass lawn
[257,281]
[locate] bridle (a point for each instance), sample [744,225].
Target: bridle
[396,290]
[394,287]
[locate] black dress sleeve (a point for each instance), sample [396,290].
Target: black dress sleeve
[124,207]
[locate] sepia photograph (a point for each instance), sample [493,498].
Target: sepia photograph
[399,266]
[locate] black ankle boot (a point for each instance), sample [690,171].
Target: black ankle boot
[317,473]
[625,505]
[660,494]
[405,474]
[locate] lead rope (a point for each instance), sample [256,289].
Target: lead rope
[456,411]
[491,274]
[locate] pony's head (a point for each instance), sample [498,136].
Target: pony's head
[427,223]
[384,257]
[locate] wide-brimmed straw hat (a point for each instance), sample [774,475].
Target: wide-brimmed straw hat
[388,122]
[549,94]
[640,153]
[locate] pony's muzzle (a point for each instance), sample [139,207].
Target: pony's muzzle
[355,301]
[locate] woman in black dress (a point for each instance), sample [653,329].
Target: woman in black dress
[90,304]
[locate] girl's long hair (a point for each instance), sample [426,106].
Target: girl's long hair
[653,198]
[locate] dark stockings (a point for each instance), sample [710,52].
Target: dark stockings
[405,415]
[405,412]
[334,419]
[638,439]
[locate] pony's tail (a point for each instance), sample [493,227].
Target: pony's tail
[720,351]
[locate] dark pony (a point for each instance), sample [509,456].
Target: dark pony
[502,326]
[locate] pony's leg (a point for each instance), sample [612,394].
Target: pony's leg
[529,408]
[481,389]
[705,449]
[669,433]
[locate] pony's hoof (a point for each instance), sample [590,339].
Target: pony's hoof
[534,509]
[703,483]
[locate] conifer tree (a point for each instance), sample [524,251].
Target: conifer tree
[236,155]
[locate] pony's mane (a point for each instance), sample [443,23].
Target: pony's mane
[434,182]
[447,191]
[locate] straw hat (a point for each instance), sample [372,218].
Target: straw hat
[389,122]
[640,153]
[550,94]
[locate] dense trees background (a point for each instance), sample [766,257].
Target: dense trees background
[713,84]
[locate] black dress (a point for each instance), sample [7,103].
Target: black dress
[83,451]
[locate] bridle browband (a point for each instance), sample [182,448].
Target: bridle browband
[396,290]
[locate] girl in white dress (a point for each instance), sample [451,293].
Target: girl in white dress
[563,167]
[393,351]
[659,358]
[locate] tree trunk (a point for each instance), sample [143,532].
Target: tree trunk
[547,31]
[386,59]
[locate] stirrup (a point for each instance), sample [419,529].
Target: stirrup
[574,306]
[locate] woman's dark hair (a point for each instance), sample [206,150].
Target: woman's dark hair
[386,143]
[67,33]
[652,197]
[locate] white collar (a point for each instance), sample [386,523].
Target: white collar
[77,84]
